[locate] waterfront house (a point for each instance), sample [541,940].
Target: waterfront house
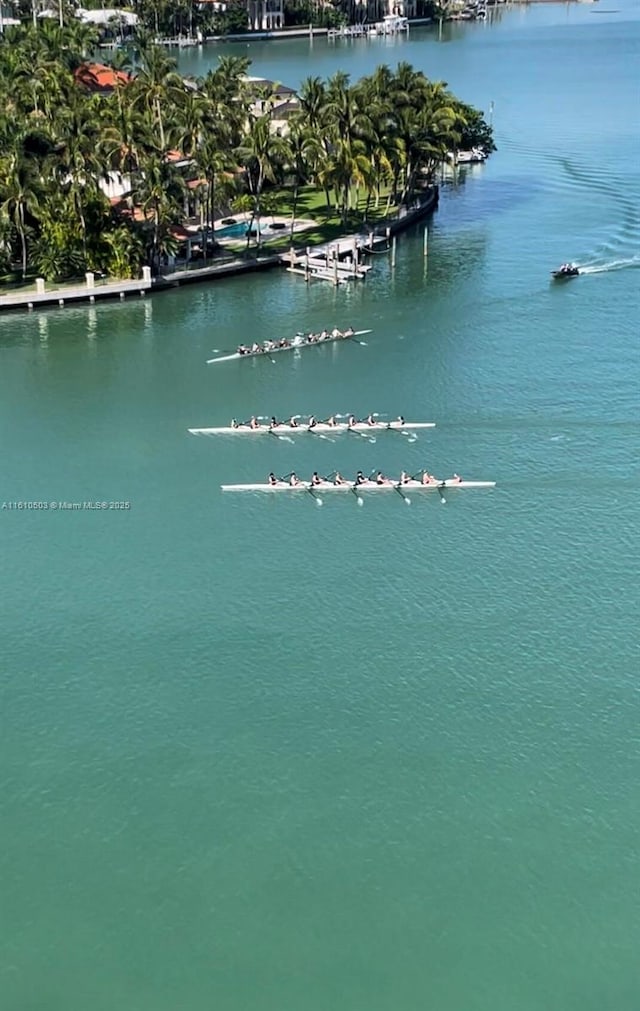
[265,15]
[7,16]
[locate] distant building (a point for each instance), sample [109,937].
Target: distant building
[108,17]
[7,16]
[265,15]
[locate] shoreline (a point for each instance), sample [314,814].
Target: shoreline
[77,292]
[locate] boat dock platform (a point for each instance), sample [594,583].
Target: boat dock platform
[336,262]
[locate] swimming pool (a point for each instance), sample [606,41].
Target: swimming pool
[240,228]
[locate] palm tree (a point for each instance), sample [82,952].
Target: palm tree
[79,162]
[20,194]
[304,155]
[261,153]
[159,190]
[158,88]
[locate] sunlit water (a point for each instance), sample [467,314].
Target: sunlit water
[258,754]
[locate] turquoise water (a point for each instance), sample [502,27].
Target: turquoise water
[259,754]
[239,229]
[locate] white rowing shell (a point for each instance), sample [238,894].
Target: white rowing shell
[351,486]
[297,344]
[319,429]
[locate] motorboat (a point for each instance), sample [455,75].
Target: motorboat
[566,270]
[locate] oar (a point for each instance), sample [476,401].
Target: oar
[405,498]
[359,498]
[363,344]
[320,435]
[316,499]
[440,487]
[362,435]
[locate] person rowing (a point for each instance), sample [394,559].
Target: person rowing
[274,422]
[456,478]
[243,349]
[293,421]
[255,348]
[360,478]
[335,333]
[323,335]
[404,477]
[427,478]
[352,421]
[315,478]
[293,479]
[269,345]
[284,343]
[331,421]
[400,419]
[312,422]
[371,419]
[338,479]
[272,479]
[234,423]
[253,422]
[349,332]
[381,479]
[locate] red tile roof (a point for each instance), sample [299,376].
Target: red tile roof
[98,77]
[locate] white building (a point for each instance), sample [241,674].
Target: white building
[265,15]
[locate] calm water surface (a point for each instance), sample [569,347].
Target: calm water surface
[262,755]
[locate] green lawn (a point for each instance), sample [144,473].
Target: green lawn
[312,204]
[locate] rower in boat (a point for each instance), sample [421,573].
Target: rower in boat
[427,478]
[243,349]
[293,421]
[404,477]
[322,336]
[349,332]
[352,421]
[272,479]
[400,419]
[370,419]
[255,349]
[234,423]
[315,478]
[312,422]
[457,478]
[284,343]
[269,345]
[331,421]
[274,422]
[360,478]
[293,479]
[335,333]
[338,479]
[381,479]
[253,422]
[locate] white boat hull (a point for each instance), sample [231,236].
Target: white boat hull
[297,344]
[320,429]
[329,486]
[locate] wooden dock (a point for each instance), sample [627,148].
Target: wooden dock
[61,295]
[336,262]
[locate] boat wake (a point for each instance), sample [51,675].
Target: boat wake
[602,268]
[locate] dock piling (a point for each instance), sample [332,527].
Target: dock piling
[393,252]
[425,247]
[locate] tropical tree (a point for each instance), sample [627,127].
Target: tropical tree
[262,153]
[20,194]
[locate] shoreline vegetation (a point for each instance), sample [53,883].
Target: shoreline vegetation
[108,169]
